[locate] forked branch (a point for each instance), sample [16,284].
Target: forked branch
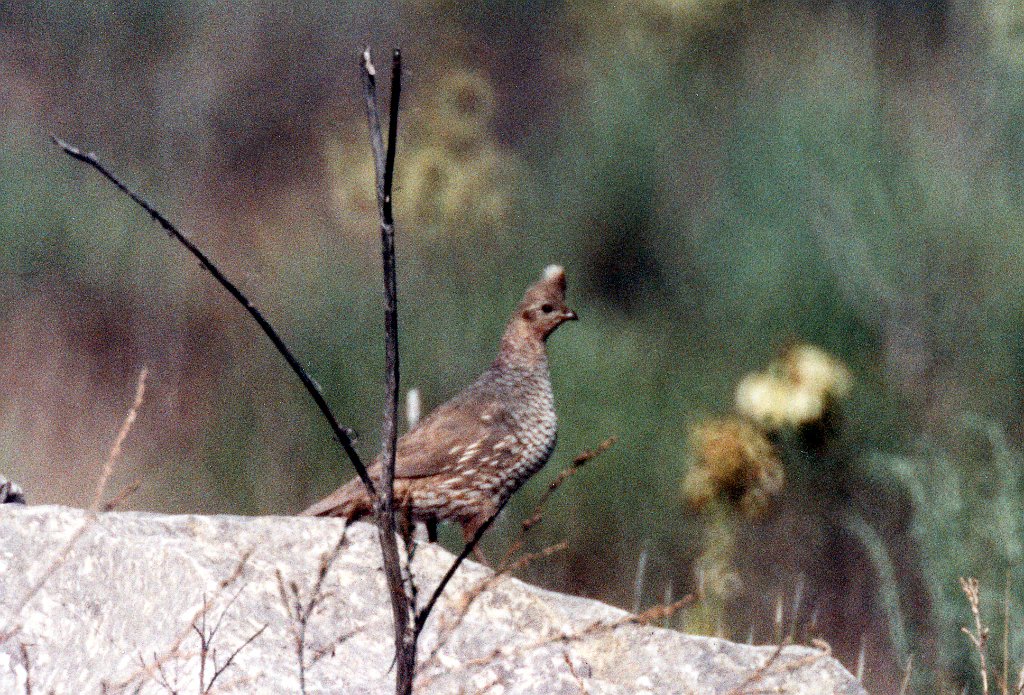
[384,166]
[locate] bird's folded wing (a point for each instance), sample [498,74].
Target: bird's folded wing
[459,435]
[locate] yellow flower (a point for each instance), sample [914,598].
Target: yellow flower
[764,399]
[812,369]
[800,388]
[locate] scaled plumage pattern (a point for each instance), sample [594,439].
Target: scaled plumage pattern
[465,459]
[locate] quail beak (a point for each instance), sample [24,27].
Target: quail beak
[569,315]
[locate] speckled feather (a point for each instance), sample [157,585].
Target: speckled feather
[464,460]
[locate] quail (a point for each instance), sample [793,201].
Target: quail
[464,460]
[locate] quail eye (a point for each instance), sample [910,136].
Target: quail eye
[547,308]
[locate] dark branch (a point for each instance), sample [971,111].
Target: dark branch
[384,164]
[342,434]
[389,163]
[424,613]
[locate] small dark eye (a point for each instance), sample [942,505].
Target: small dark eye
[547,308]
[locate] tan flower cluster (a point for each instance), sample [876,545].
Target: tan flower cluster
[802,387]
[733,459]
[450,175]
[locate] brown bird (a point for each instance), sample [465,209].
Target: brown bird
[465,459]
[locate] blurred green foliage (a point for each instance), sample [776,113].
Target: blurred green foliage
[718,178]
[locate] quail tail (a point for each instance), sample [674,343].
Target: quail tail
[348,502]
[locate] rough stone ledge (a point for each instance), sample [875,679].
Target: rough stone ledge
[124,589]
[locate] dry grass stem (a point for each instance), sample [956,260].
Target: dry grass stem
[509,563]
[122,434]
[575,675]
[28,668]
[861,657]
[14,625]
[771,667]
[424,613]
[979,638]
[538,512]
[1004,681]
[493,683]
[460,605]
[905,684]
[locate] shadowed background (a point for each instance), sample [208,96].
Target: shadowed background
[719,179]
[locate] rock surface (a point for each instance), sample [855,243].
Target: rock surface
[122,592]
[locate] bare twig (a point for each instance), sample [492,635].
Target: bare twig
[219,670]
[538,512]
[119,499]
[174,651]
[1004,684]
[328,649]
[638,583]
[301,611]
[161,677]
[464,602]
[769,666]
[208,653]
[344,435]
[572,669]
[509,563]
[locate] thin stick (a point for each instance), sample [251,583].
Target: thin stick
[384,164]
[759,673]
[224,667]
[344,435]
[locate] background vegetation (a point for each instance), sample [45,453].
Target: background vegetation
[719,178]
